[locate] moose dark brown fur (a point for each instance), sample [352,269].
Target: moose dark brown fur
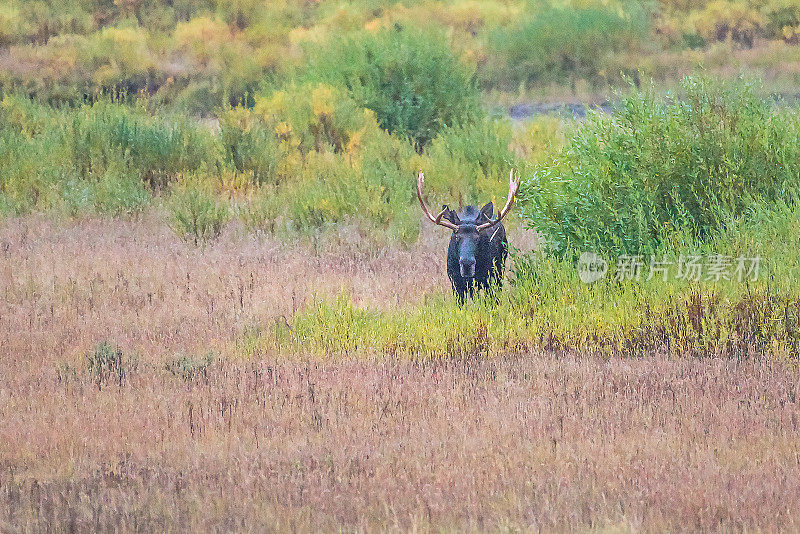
[478,247]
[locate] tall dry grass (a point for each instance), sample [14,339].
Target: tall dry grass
[172,440]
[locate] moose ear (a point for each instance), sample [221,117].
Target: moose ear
[487,211]
[450,215]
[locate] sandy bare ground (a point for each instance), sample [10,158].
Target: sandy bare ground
[527,441]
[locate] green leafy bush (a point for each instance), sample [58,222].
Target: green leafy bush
[156,149]
[31,145]
[409,78]
[782,19]
[117,193]
[313,117]
[196,215]
[558,45]
[106,157]
[626,182]
[249,145]
[261,212]
[325,193]
[388,166]
[119,58]
[13,26]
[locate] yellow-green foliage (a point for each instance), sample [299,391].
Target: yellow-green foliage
[327,158]
[316,117]
[554,310]
[118,56]
[12,24]
[471,164]
[201,54]
[625,182]
[409,78]
[538,137]
[195,213]
[331,159]
[259,213]
[562,314]
[560,45]
[300,159]
[202,37]
[107,156]
[721,20]
[547,306]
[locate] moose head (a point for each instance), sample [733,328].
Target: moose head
[478,247]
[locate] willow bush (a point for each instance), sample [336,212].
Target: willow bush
[625,182]
[410,78]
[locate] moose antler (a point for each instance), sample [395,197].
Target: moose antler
[513,187]
[438,219]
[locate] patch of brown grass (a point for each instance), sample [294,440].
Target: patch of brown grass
[546,441]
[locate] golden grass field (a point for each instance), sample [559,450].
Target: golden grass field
[534,441]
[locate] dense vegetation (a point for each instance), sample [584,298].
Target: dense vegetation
[200,54]
[626,183]
[301,158]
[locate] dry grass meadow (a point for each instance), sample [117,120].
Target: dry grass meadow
[538,441]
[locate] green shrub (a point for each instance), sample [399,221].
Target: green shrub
[101,157]
[325,193]
[782,19]
[560,45]
[24,116]
[471,164]
[13,26]
[388,166]
[261,212]
[409,78]
[539,136]
[119,58]
[627,181]
[33,159]
[120,194]
[155,149]
[333,162]
[77,196]
[196,215]
[226,68]
[249,145]
[313,117]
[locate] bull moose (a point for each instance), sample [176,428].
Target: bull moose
[478,247]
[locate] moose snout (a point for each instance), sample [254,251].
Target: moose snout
[467,267]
